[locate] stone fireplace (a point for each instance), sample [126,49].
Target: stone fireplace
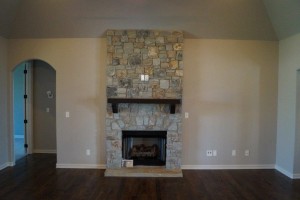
[144,92]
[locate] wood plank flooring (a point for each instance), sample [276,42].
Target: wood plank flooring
[19,148]
[35,177]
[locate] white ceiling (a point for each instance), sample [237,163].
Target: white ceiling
[228,19]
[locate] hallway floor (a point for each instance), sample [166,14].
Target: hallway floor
[19,148]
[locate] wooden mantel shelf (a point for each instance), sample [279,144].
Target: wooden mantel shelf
[116,101]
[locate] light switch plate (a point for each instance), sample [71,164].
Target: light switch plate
[247,152]
[215,153]
[186,115]
[88,152]
[233,152]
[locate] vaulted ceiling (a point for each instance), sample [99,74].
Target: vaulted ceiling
[218,19]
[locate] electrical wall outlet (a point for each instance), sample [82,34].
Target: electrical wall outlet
[209,153]
[88,152]
[214,152]
[186,115]
[233,152]
[67,114]
[146,77]
[247,152]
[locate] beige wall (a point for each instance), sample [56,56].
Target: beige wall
[230,92]
[44,123]
[288,134]
[3,103]
[80,89]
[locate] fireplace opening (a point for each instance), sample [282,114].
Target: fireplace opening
[145,147]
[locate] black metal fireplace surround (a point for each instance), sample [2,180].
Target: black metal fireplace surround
[144,147]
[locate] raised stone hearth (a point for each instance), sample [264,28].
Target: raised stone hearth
[144,64]
[144,172]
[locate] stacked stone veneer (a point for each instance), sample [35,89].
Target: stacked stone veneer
[130,54]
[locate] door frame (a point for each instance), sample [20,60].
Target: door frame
[29,107]
[29,112]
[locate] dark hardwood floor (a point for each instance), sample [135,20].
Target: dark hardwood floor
[19,148]
[35,177]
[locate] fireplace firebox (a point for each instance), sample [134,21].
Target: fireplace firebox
[144,147]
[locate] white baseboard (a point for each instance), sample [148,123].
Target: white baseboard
[287,173]
[44,151]
[3,166]
[103,166]
[81,166]
[7,164]
[283,171]
[296,176]
[268,166]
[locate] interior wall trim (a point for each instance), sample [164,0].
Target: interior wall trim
[296,176]
[103,166]
[7,164]
[81,166]
[283,171]
[44,151]
[267,166]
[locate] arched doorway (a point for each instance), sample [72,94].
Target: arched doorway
[34,108]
